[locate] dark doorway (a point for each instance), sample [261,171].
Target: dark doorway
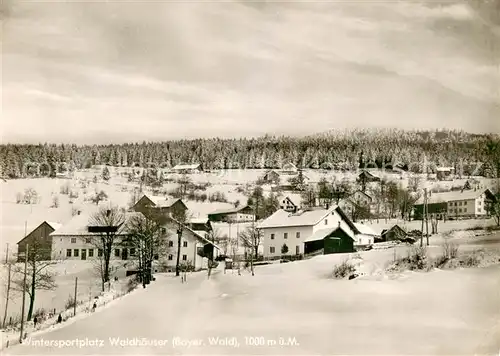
[84,254]
[124,254]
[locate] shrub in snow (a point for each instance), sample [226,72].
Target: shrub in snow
[471,260]
[343,270]
[70,302]
[415,260]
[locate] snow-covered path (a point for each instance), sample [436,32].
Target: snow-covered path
[280,312]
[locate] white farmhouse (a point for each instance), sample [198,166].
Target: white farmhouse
[76,241]
[294,229]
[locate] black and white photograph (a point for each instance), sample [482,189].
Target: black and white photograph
[250,177]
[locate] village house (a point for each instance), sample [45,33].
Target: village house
[76,240]
[271,177]
[187,168]
[445,173]
[395,233]
[455,204]
[196,249]
[316,224]
[40,240]
[240,214]
[200,225]
[159,206]
[291,203]
[366,235]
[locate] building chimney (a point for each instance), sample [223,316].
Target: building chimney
[78,212]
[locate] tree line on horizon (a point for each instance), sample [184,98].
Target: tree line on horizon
[340,150]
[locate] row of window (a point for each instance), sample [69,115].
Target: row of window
[170,243]
[285,235]
[458,210]
[460,203]
[76,252]
[171,257]
[272,249]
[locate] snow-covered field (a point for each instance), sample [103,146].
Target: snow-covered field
[295,308]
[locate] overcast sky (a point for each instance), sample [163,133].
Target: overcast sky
[131,71]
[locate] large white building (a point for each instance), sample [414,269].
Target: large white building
[466,203]
[293,229]
[76,240]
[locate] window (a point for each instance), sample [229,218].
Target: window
[326,221]
[99,252]
[465,210]
[271,249]
[73,240]
[163,230]
[297,250]
[185,244]
[184,257]
[76,252]
[285,235]
[132,251]
[272,236]
[297,234]
[170,244]
[170,257]
[88,240]
[479,209]
[91,252]
[68,252]
[117,252]
[460,210]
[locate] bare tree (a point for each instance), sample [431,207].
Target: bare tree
[107,222]
[493,208]
[9,263]
[147,237]
[38,270]
[250,239]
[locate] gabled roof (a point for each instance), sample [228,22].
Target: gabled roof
[53,225]
[186,166]
[282,218]
[365,230]
[445,197]
[395,227]
[228,211]
[295,199]
[79,224]
[196,234]
[368,175]
[161,202]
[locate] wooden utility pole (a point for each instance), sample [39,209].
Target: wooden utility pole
[422,229]
[76,288]
[26,253]
[8,287]
[426,218]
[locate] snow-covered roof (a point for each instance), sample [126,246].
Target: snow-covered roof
[79,224]
[365,229]
[199,220]
[162,202]
[54,225]
[228,211]
[444,197]
[200,235]
[186,166]
[444,169]
[282,218]
[296,199]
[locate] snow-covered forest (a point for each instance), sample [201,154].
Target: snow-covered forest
[346,150]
